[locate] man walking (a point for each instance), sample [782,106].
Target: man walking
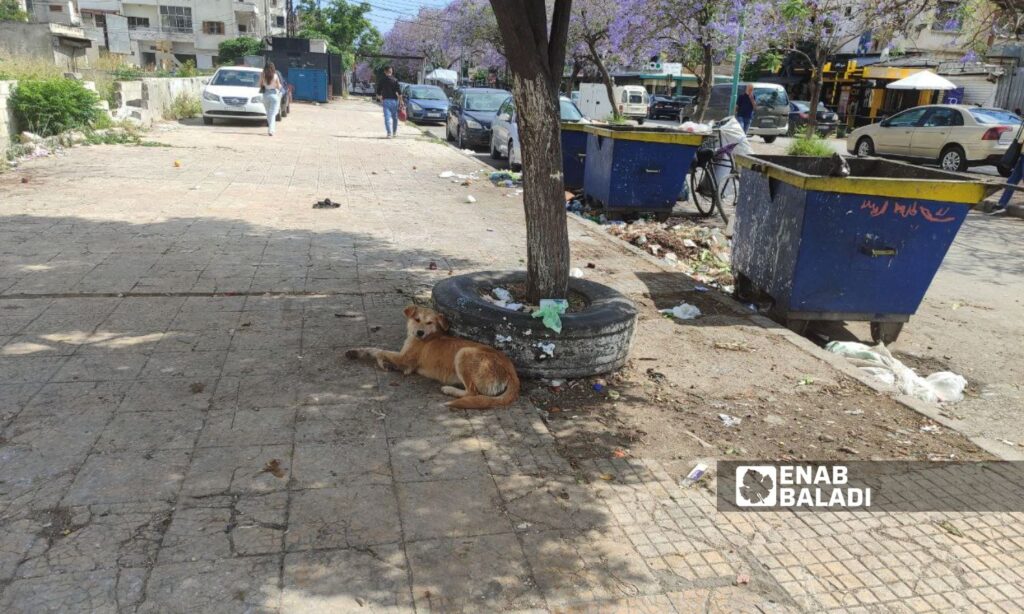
[391,97]
[745,107]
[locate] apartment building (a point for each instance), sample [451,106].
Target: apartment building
[168,33]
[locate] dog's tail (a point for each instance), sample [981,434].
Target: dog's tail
[483,401]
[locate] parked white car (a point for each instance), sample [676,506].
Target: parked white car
[505,130]
[234,93]
[955,137]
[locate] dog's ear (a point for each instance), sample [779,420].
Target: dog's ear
[409,311]
[442,322]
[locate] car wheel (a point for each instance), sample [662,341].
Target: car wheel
[791,130]
[865,147]
[515,167]
[953,159]
[495,154]
[448,132]
[769,139]
[207,121]
[640,122]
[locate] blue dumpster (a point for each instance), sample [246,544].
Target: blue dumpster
[574,154]
[863,247]
[309,83]
[630,169]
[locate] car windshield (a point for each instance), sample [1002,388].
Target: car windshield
[427,93]
[238,78]
[994,116]
[769,96]
[489,101]
[569,111]
[636,98]
[801,106]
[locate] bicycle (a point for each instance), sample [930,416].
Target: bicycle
[708,194]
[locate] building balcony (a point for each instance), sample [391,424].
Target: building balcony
[246,6]
[157,33]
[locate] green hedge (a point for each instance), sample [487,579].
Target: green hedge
[51,106]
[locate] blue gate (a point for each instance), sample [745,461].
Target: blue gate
[309,83]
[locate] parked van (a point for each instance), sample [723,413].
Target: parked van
[771,112]
[631,101]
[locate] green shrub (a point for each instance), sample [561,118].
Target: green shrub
[188,69]
[184,106]
[10,10]
[127,73]
[812,145]
[52,106]
[235,49]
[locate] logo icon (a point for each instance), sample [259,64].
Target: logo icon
[756,486]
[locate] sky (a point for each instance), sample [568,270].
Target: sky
[385,12]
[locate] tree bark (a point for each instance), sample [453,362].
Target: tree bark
[816,83]
[606,77]
[536,61]
[707,79]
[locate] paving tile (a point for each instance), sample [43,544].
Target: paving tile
[371,578]
[417,459]
[454,508]
[485,573]
[351,461]
[335,423]
[350,516]
[237,469]
[27,369]
[257,426]
[184,364]
[128,476]
[176,430]
[171,394]
[101,367]
[105,590]
[254,391]
[558,502]
[247,584]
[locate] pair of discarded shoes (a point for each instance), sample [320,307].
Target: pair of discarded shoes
[326,204]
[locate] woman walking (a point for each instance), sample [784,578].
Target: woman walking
[270,85]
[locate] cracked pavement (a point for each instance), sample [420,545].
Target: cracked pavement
[180,432]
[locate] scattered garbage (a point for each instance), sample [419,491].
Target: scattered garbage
[499,339]
[274,468]
[548,350]
[613,395]
[551,311]
[728,420]
[502,295]
[683,311]
[878,362]
[701,252]
[506,179]
[470,198]
[326,203]
[432,266]
[446,174]
[177,164]
[694,128]
[931,428]
[699,470]
[700,288]
[576,272]
[598,387]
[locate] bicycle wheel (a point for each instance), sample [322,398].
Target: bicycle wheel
[727,196]
[703,189]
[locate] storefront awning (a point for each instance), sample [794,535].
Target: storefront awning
[924,80]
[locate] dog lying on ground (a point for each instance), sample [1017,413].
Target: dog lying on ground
[487,376]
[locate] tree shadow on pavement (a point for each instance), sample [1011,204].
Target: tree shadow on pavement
[178,387]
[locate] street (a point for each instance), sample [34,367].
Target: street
[181,431]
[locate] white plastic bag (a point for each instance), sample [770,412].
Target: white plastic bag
[683,311]
[879,363]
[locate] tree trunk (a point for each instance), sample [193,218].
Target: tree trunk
[707,79]
[816,83]
[577,68]
[537,63]
[606,77]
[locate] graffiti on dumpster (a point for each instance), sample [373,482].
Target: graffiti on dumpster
[938,214]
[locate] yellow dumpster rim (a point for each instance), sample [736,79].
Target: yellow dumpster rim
[682,138]
[574,126]
[942,190]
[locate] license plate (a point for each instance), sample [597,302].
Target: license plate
[767,122]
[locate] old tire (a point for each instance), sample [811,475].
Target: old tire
[595,340]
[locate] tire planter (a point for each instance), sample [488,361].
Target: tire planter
[593,341]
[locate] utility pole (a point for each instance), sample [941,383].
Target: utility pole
[737,64]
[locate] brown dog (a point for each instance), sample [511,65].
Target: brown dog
[487,376]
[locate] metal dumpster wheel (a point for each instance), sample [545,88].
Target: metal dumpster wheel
[886,332]
[703,189]
[798,326]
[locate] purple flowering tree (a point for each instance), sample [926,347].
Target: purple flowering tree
[535,47]
[696,33]
[590,40]
[818,29]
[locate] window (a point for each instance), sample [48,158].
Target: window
[947,17]
[279,21]
[906,118]
[942,117]
[56,8]
[994,117]
[176,18]
[770,96]
[568,111]
[213,27]
[242,28]
[138,22]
